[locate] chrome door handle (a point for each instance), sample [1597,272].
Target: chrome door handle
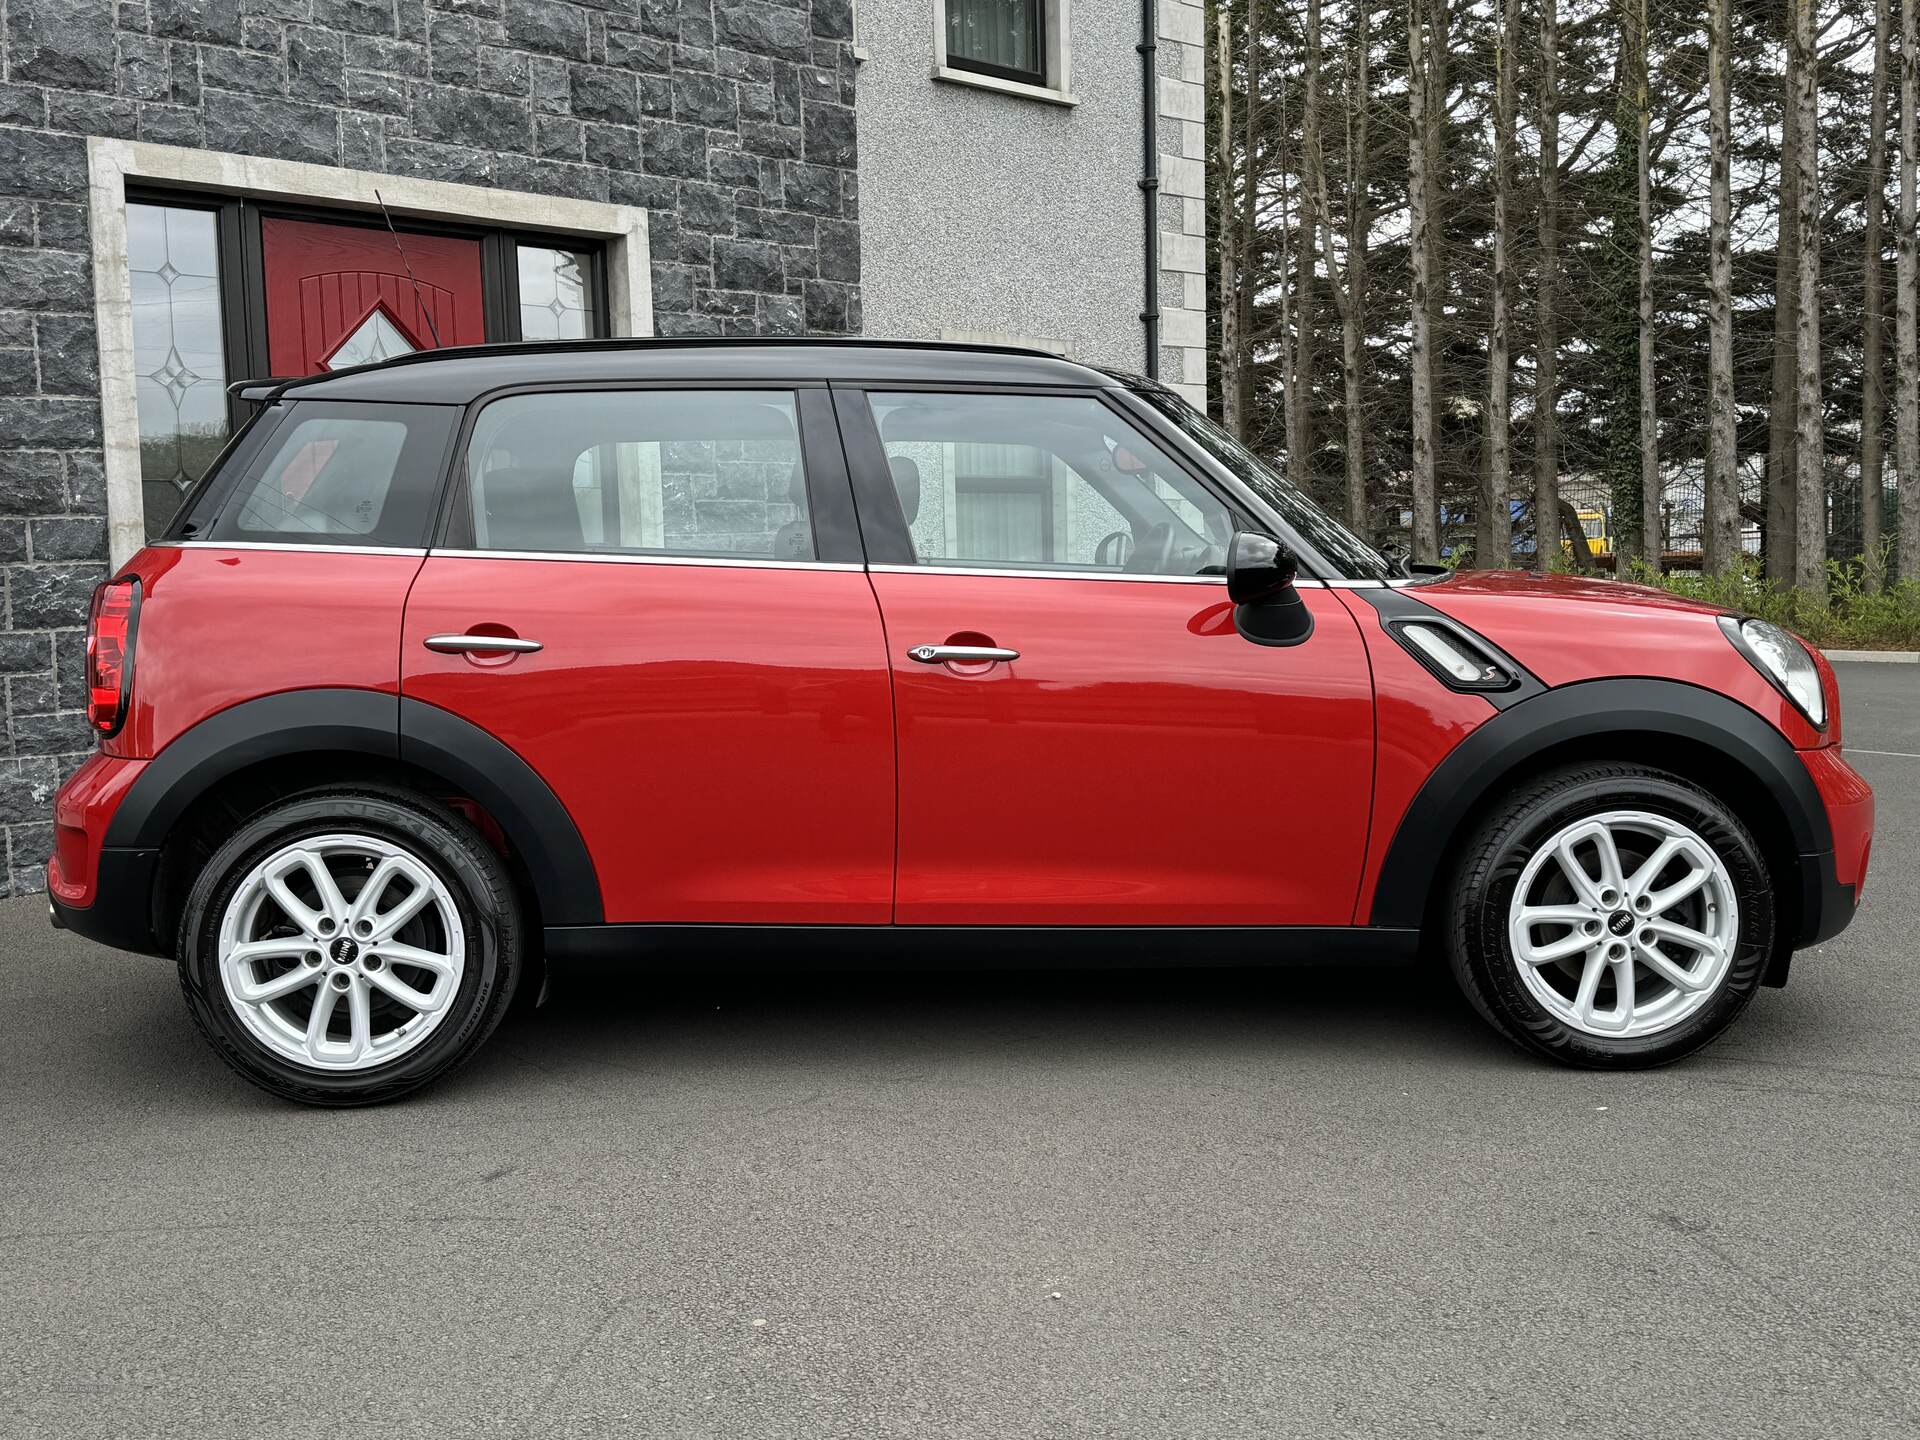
[942,654]
[461,644]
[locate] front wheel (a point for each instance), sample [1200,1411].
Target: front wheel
[1611,915]
[347,946]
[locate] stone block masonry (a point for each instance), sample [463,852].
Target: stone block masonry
[730,121]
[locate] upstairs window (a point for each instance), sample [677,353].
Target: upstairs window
[1003,38]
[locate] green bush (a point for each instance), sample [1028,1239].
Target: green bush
[1854,618]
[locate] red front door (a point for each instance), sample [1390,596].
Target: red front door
[1105,748]
[1140,763]
[339,295]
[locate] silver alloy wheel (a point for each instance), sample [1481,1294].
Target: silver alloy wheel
[341,952]
[1624,924]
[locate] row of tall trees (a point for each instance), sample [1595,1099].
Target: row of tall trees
[1486,270]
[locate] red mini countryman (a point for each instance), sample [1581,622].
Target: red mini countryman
[461,665]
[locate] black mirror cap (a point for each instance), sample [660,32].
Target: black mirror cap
[1258,568]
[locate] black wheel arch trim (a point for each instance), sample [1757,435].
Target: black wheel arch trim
[1424,840]
[384,726]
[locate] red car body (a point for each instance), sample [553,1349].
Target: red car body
[802,772]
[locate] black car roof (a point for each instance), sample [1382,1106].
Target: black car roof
[459,374]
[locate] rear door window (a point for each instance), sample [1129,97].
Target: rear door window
[338,473]
[639,472]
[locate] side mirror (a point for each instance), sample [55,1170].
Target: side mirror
[1267,609]
[1258,568]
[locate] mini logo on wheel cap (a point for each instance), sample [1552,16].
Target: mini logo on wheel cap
[1620,922]
[343,950]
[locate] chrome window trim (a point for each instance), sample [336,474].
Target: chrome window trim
[722,562]
[292,545]
[744,562]
[1038,574]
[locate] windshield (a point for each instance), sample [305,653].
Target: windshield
[1351,556]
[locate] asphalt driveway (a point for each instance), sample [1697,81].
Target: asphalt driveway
[1306,1203]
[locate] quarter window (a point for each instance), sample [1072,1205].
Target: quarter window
[667,472]
[336,473]
[1046,482]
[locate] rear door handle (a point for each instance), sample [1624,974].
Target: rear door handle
[943,654]
[464,644]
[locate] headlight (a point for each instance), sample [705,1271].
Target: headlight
[1784,661]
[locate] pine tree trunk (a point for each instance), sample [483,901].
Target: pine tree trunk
[1873,364]
[1448,468]
[1256,170]
[1299,456]
[1226,225]
[1495,542]
[1653,530]
[1353,317]
[1613,288]
[1546,400]
[1720,539]
[1283,263]
[1810,501]
[1782,471]
[1426,544]
[1906,290]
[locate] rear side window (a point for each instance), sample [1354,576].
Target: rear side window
[640,472]
[340,473]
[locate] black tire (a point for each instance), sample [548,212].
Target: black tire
[483,895]
[1476,910]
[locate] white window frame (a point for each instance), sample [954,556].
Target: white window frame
[1059,87]
[111,164]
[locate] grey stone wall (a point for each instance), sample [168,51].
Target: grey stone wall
[731,121]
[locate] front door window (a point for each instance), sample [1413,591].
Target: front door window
[1044,482]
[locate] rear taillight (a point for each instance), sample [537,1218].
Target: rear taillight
[110,632]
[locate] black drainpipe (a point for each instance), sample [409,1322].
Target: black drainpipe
[1150,177]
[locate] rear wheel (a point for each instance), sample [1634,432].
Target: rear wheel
[347,946]
[1612,916]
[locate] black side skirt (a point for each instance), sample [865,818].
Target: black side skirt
[976,947]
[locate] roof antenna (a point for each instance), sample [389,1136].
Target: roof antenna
[427,314]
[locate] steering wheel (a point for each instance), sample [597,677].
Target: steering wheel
[1114,549]
[1153,552]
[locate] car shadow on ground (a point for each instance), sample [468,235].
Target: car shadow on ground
[605,1013]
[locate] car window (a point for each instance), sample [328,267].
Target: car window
[667,472]
[1045,482]
[344,474]
[1352,557]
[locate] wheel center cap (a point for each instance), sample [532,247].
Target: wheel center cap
[343,950]
[1620,922]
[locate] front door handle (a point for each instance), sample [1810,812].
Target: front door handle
[946,654]
[467,644]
